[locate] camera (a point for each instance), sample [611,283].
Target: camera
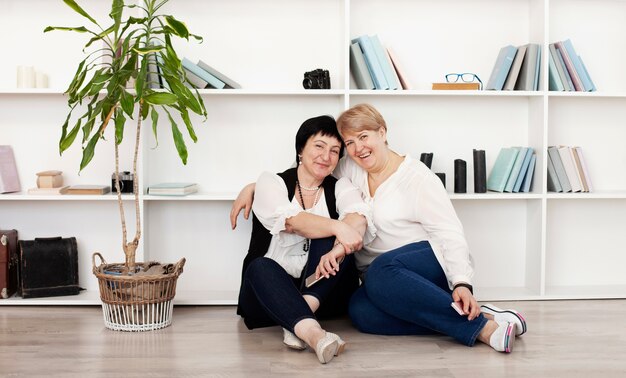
[316,79]
[126,182]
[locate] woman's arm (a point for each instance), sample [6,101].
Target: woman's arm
[242,202]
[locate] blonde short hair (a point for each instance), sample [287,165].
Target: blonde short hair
[360,117]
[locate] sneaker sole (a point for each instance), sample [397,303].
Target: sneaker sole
[514,313]
[510,338]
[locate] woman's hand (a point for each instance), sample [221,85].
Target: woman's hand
[242,202]
[351,239]
[466,301]
[329,263]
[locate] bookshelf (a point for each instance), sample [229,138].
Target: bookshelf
[526,246]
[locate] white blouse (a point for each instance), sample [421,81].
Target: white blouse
[412,206]
[272,207]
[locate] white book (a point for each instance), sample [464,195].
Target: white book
[173,188]
[583,166]
[570,169]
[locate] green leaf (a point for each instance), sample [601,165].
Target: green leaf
[116,13]
[100,36]
[178,141]
[120,121]
[128,103]
[178,27]
[149,49]
[72,4]
[69,139]
[64,132]
[185,116]
[89,150]
[155,119]
[161,98]
[78,29]
[141,78]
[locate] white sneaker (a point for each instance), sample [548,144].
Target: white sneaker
[511,316]
[293,341]
[503,337]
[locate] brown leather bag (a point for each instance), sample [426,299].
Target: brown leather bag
[8,263]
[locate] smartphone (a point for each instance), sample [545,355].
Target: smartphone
[311,280]
[457,308]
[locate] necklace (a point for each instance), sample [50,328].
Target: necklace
[309,189]
[307,242]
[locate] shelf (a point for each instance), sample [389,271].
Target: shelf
[216,196]
[494,196]
[617,194]
[64,197]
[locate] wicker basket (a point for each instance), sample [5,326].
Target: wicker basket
[138,302]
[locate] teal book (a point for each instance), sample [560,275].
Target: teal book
[528,178]
[522,172]
[173,188]
[559,67]
[593,86]
[381,54]
[212,80]
[501,68]
[358,68]
[517,167]
[220,76]
[371,59]
[502,169]
[554,79]
[537,69]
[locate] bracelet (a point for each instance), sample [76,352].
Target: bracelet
[466,285]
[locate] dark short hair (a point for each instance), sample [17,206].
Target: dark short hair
[324,125]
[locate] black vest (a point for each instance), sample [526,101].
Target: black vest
[261,237]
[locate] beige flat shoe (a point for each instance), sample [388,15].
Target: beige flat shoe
[341,345]
[293,341]
[326,348]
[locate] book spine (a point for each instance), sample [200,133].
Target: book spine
[568,77]
[372,62]
[384,62]
[559,169]
[220,76]
[460,176]
[212,80]
[553,180]
[569,47]
[359,69]
[559,67]
[528,179]
[195,80]
[570,67]
[480,171]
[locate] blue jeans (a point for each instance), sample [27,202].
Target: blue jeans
[406,293]
[269,296]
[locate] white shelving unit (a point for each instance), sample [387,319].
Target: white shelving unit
[536,245]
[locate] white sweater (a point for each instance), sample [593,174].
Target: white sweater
[412,206]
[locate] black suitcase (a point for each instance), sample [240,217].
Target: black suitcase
[48,267]
[8,263]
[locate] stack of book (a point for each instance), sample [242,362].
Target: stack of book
[373,66]
[516,68]
[567,170]
[513,170]
[173,189]
[567,72]
[201,76]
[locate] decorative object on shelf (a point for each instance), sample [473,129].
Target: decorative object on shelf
[480,171]
[460,81]
[8,263]
[442,177]
[316,79]
[28,77]
[9,179]
[48,267]
[460,176]
[125,179]
[132,44]
[427,158]
[49,179]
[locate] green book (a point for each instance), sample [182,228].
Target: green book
[502,169]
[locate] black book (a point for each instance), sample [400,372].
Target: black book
[427,159]
[460,176]
[480,172]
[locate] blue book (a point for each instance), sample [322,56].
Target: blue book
[587,85]
[220,76]
[384,62]
[528,179]
[212,80]
[372,62]
[359,69]
[522,172]
[502,169]
[501,68]
[593,87]
[517,167]
[554,79]
[559,67]
[566,72]
[536,81]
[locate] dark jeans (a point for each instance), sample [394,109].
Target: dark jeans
[270,296]
[406,293]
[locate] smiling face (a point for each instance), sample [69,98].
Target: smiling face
[319,157]
[368,148]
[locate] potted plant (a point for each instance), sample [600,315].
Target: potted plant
[135,296]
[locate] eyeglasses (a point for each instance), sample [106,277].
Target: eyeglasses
[466,77]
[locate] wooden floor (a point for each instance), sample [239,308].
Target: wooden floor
[565,339]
